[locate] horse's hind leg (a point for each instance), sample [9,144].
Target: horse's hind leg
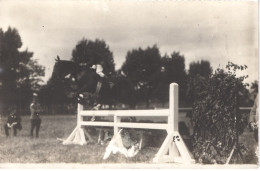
[101,136]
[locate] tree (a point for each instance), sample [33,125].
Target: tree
[254,86]
[141,67]
[198,72]
[172,70]
[216,117]
[20,75]
[201,68]
[94,52]
[254,91]
[57,95]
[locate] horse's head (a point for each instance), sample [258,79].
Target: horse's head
[63,68]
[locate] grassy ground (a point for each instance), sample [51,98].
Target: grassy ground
[47,149]
[247,138]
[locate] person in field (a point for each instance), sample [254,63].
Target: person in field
[13,122]
[35,116]
[253,119]
[253,123]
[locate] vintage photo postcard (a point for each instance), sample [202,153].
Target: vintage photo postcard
[142,84]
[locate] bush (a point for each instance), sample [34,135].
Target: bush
[215,115]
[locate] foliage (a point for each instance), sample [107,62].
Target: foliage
[141,67]
[174,67]
[216,118]
[197,74]
[20,75]
[201,68]
[58,92]
[94,52]
[254,92]
[254,86]
[172,70]
[86,52]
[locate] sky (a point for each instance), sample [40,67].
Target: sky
[217,31]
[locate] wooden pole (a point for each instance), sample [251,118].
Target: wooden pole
[79,117]
[173,119]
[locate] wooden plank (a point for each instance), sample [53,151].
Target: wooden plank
[182,147]
[127,125]
[82,136]
[142,125]
[165,146]
[163,159]
[151,112]
[134,113]
[90,123]
[116,121]
[173,118]
[72,135]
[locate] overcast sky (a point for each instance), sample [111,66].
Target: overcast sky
[217,31]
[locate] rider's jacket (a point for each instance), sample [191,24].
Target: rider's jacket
[99,69]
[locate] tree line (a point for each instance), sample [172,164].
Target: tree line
[148,70]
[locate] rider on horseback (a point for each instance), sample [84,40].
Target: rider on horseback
[100,76]
[99,70]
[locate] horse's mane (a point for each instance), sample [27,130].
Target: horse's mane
[71,67]
[66,62]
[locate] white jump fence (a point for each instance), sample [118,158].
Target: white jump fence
[172,150]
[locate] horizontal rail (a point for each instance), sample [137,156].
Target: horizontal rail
[89,123]
[127,125]
[159,112]
[136,113]
[142,125]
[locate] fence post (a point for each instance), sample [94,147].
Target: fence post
[79,117]
[173,119]
[117,119]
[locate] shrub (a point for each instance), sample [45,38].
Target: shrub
[215,115]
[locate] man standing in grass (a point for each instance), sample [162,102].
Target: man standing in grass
[13,121]
[253,119]
[253,123]
[35,117]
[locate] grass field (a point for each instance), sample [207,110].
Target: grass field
[47,149]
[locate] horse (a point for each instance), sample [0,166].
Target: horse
[107,91]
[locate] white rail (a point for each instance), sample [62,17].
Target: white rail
[133,113]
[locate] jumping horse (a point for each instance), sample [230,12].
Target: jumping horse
[109,92]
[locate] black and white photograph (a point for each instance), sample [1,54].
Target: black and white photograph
[120,84]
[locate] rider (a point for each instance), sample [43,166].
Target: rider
[96,65]
[93,64]
[99,70]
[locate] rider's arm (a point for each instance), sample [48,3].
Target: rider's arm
[99,70]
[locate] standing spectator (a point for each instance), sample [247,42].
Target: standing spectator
[13,121]
[253,119]
[253,123]
[35,116]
